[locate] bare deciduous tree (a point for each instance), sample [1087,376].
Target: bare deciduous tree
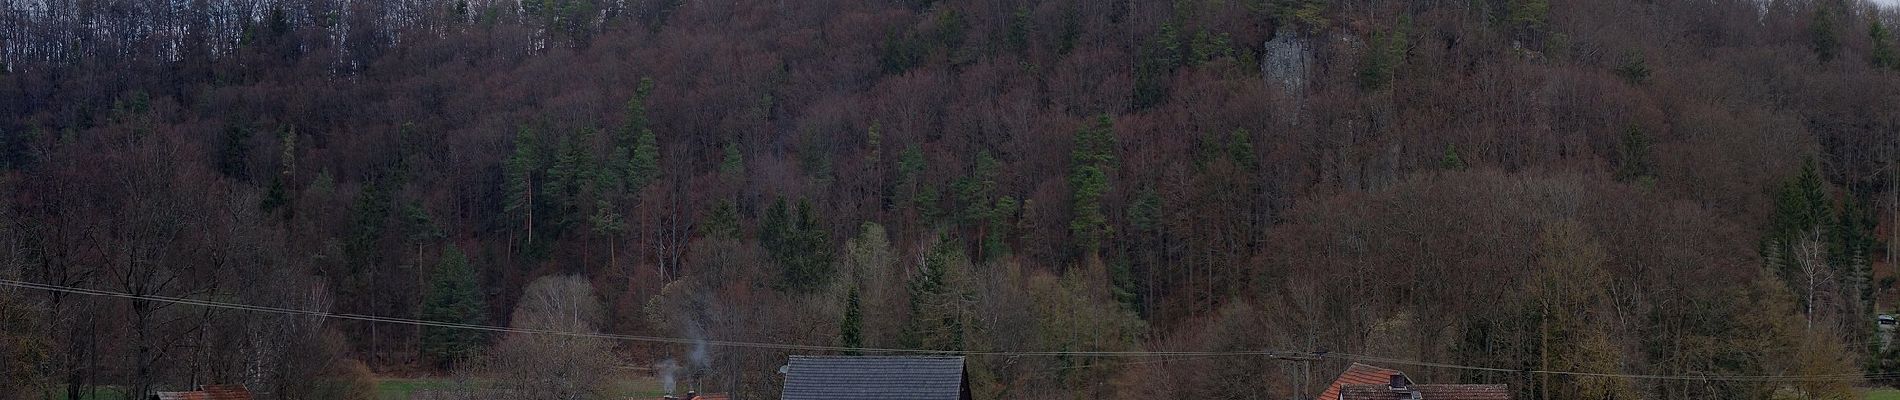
[528,366]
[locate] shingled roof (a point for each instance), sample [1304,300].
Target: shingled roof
[698,396]
[875,377]
[1358,374]
[1426,392]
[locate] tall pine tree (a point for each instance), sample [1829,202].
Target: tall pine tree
[1090,162]
[851,330]
[799,244]
[519,175]
[1883,54]
[984,212]
[1823,35]
[643,165]
[453,297]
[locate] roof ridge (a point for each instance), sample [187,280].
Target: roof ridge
[1360,364]
[871,356]
[827,377]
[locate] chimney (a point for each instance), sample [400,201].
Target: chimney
[1401,385]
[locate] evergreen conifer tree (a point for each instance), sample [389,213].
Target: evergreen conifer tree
[453,297]
[851,330]
[1090,162]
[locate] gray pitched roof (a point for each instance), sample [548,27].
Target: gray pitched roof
[874,377]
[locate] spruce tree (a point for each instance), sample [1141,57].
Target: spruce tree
[982,208]
[806,252]
[1090,162]
[643,165]
[1452,160]
[278,195]
[1020,27]
[233,156]
[371,215]
[851,330]
[1382,60]
[1637,165]
[722,221]
[1850,251]
[1529,17]
[1124,287]
[1159,58]
[1634,69]
[776,227]
[798,242]
[1802,218]
[1144,213]
[996,240]
[1824,36]
[1883,54]
[420,227]
[568,178]
[274,196]
[732,166]
[453,297]
[1240,150]
[910,169]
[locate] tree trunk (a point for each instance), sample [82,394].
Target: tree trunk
[141,324]
[530,206]
[1543,351]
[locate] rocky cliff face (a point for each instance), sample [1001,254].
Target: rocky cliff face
[1288,63]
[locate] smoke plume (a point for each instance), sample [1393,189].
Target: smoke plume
[669,374]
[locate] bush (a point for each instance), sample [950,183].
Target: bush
[349,380]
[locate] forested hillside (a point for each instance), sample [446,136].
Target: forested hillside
[1681,188]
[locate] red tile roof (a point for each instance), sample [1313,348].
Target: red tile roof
[1383,391]
[179,395]
[1466,392]
[1358,374]
[225,392]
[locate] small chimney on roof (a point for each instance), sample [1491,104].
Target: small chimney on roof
[1401,385]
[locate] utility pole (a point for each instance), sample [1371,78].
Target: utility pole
[1305,369]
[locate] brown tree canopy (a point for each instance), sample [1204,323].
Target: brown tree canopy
[1621,186]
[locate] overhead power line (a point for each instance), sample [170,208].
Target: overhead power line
[606,336]
[1711,377]
[1164,356]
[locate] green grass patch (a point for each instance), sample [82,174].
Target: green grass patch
[88,393]
[1883,394]
[402,388]
[641,387]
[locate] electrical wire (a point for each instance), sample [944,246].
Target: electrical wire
[591,335]
[1730,378]
[1166,356]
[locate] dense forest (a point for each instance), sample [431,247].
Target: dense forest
[1684,188]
